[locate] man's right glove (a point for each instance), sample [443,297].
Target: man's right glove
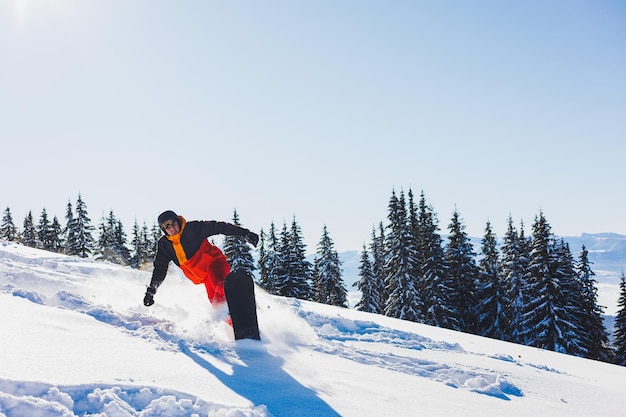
[253,238]
[148,299]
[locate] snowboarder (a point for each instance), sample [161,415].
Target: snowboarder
[185,243]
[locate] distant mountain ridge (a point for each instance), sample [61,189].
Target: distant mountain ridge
[607,251]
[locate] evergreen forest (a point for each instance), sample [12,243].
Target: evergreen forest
[529,290]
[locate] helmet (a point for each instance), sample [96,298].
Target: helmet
[165,216]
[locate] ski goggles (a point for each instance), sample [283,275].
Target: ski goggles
[167,224]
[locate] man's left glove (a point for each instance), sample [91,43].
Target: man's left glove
[252,237]
[148,299]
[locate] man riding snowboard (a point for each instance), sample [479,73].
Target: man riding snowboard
[185,243]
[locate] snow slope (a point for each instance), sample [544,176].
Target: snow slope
[75,340]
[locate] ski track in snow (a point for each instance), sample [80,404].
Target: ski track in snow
[343,336]
[333,336]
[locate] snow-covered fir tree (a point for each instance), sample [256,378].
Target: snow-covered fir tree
[293,271]
[461,274]
[68,231]
[43,230]
[111,244]
[104,247]
[8,230]
[370,297]
[152,237]
[237,250]
[377,250]
[281,278]
[269,260]
[595,339]
[56,238]
[571,303]
[122,242]
[29,232]
[434,286]
[619,328]
[404,301]
[137,252]
[492,310]
[45,233]
[261,265]
[372,282]
[514,270]
[79,236]
[140,246]
[548,322]
[329,286]
[412,222]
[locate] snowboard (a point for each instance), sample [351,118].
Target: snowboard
[239,290]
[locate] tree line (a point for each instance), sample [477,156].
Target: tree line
[528,290]
[284,269]
[77,236]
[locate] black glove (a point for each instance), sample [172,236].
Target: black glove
[148,299]
[252,237]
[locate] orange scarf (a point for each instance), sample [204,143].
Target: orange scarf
[175,239]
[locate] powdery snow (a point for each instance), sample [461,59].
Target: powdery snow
[76,340]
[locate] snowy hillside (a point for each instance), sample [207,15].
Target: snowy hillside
[76,340]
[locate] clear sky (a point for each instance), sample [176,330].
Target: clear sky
[317,109]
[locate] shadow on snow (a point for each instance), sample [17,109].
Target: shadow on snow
[262,380]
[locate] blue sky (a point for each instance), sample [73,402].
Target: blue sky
[317,109]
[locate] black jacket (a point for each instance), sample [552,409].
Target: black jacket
[184,246]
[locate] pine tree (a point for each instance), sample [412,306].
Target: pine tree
[515,261]
[377,249]
[237,250]
[139,246]
[548,320]
[593,333]
[413,232]
[537,315]
[29,234]
[315,286]
[570,304]
[370,301]
[56,240]
[619,328]
[330,288]
[45,234]
[461,274]
[8,231]
[491,293]
[269,260]
[111,244]
[293,275]
[261,263]
[104,247]
[121,243]
[280,276]
[80,241]
[69,233]
[435,289]
[400,263]
[372,282]
[299,268]
[152,240]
